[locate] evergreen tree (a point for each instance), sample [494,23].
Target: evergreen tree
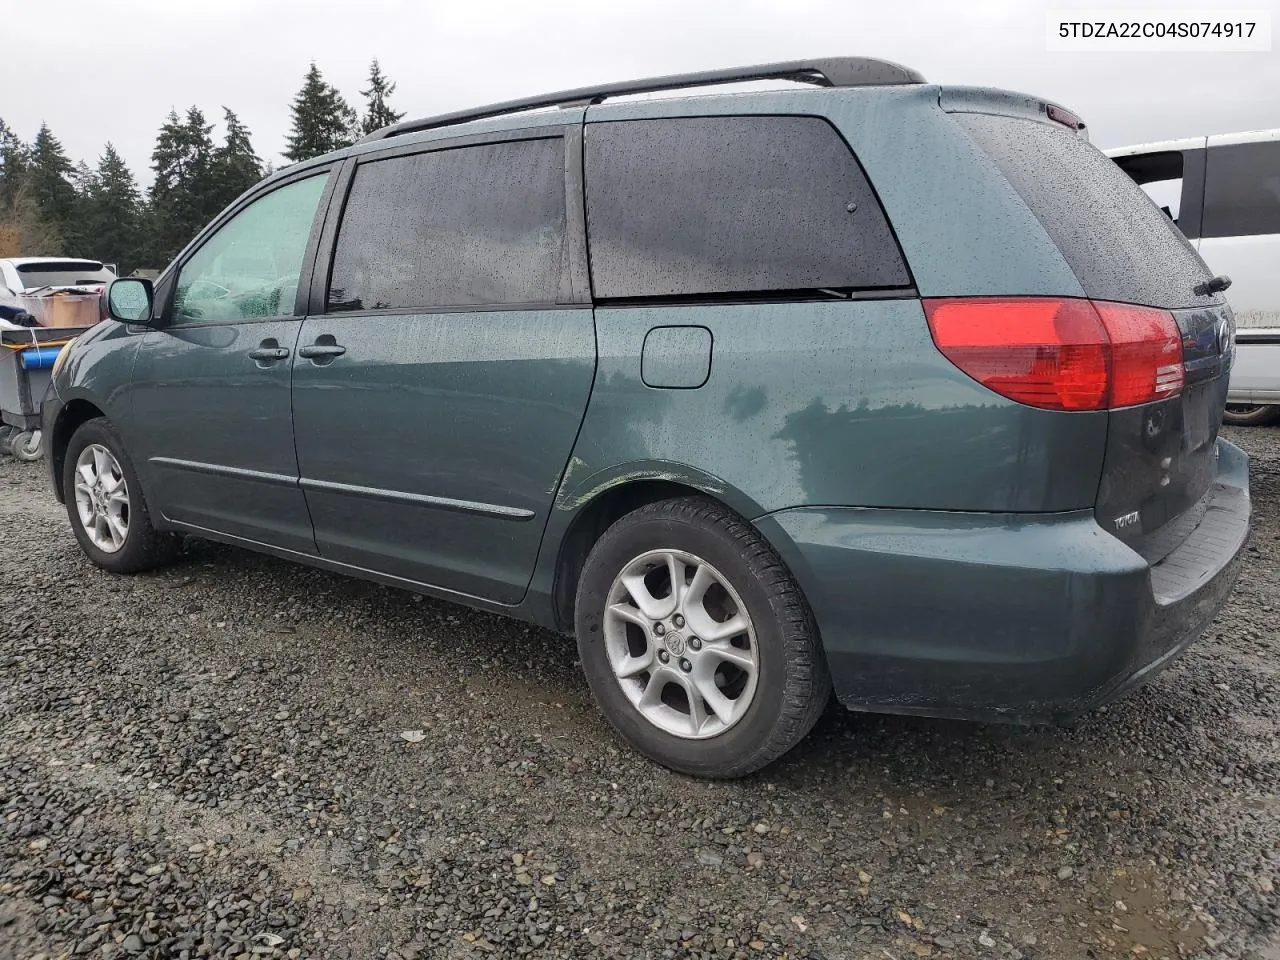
[13,165]
[377,114]
[322,120]
[112,214]
[235,166]
[49,175]
[182,195]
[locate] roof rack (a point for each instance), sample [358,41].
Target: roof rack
[829,72]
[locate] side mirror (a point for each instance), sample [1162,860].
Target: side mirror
[130,300]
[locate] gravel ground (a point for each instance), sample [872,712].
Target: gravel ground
[208,761]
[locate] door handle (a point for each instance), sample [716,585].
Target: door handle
[324,350]
[268,351]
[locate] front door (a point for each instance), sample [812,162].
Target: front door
[437,399]
[212,383]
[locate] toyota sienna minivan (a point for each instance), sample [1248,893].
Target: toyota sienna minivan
[867,384]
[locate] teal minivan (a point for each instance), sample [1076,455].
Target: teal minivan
[869,385]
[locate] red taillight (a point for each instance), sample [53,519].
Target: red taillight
[1061,354]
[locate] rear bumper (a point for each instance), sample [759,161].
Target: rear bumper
[1022,617]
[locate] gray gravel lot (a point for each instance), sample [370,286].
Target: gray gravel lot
[208,761]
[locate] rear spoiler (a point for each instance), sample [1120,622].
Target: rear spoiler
[1005,103]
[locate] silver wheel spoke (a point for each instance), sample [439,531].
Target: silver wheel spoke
[702,579]
[651,699]
[735,625]
[654,608]
[632,666]
[630,614]
[118,501]
[739,658]
[697,708]
[720,705]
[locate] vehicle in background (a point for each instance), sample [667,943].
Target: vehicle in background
[1223,192]
[873,383]
[27,282]
[1254,395]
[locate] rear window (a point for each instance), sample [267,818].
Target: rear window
[1119,244]
[63,273]
[1242,190]
[714,206]
[1160,177]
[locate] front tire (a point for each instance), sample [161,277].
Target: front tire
[696,641]
[108,514]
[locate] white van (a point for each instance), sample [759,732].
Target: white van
[1224,194]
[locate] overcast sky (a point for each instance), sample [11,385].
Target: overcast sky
[112,70]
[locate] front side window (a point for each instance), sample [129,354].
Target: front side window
[249,269]
[714,206]
[1242,189]
[479,225]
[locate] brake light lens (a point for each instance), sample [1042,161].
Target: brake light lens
[1061,353]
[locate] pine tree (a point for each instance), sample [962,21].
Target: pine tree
[49,175]
[235,166]
[112,214]
[377,114]
[182,196]
[13,165]
[322,120]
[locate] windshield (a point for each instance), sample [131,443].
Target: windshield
[63,273]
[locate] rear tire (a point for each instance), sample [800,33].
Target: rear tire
[108,514]
[1251,414]
[719,705]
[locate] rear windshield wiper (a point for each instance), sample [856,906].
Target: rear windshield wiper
[1214,285]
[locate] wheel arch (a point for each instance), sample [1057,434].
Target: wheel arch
[75,413]
[604,500]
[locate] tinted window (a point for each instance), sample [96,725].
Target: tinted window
[249,269]
[1115,240]
[1242,190]
[471,225]
[724,205]
[1160,176]
[63,273]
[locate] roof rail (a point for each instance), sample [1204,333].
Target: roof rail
[829,72]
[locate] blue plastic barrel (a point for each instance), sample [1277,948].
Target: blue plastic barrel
[38,358]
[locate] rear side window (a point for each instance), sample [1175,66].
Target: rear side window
[707,206]
[1242,190]
[464,226]
[1115,240]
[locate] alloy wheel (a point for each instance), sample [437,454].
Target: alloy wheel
[102,498]
[681,644]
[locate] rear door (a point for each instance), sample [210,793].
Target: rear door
[442,378]
[1160,457]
